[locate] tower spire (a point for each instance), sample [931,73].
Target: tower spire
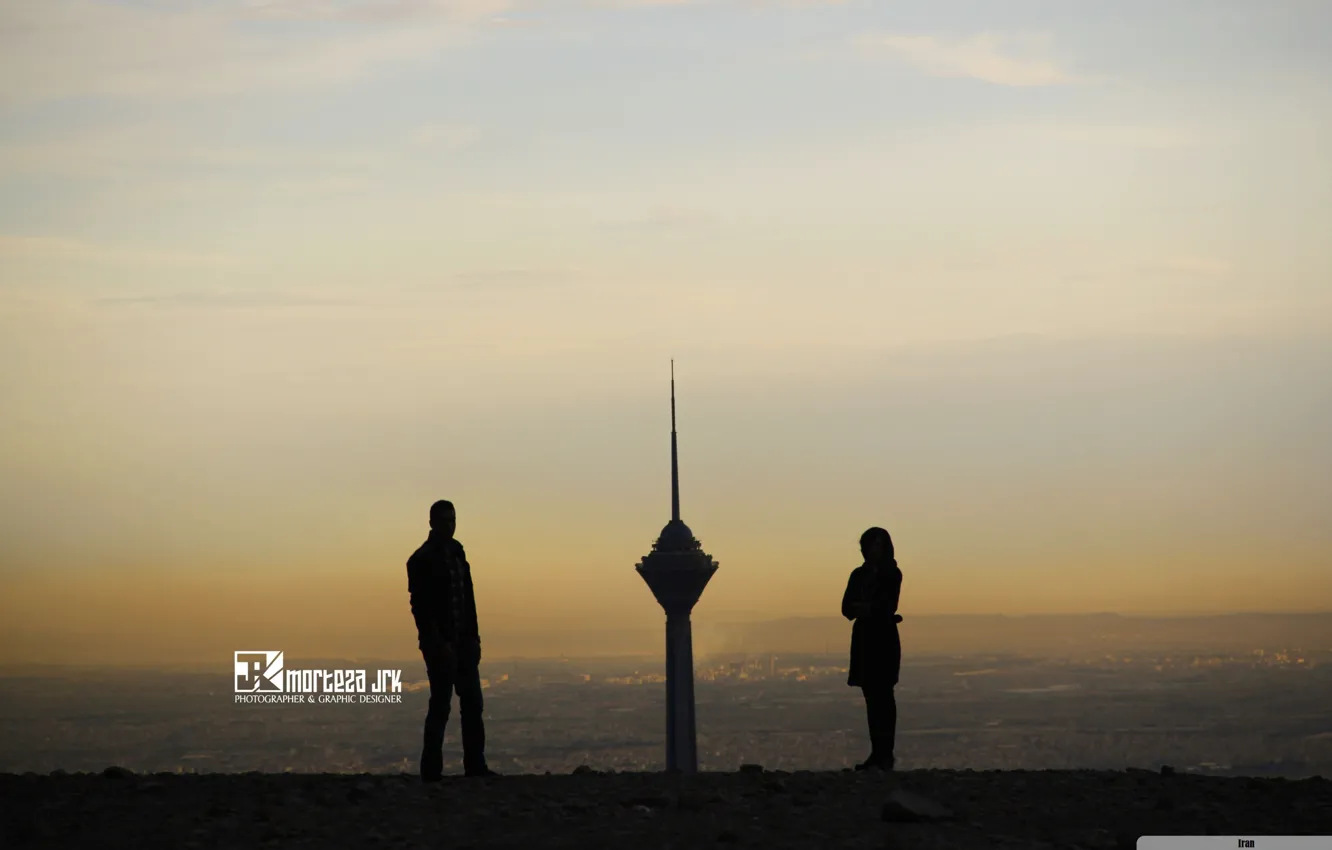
[675,459]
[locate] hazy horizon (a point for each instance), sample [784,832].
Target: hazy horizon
[1077,636]
[1044,290]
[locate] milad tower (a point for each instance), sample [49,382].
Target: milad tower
[677,569]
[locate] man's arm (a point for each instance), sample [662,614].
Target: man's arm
[424,608]
[469,604]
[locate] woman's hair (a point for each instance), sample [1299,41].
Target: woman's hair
[882,534]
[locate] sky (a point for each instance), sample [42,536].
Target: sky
[1042,287]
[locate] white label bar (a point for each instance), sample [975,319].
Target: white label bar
[1235,842]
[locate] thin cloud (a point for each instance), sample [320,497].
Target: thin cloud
[70,48]
[213,300]
[991,58]
[664,220]
[1187,267]
[511,279]
[483,282]
[635,4]
[374,10]
[1141,135]
[14,247]
[53,49]
[442,137]
[152,152]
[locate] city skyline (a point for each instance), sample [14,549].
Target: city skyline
[977,710]
[1041,290]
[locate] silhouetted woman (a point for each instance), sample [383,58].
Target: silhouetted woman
[876,649]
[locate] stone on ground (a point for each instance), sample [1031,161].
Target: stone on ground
[906,807]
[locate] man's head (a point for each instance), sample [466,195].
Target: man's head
[443,518]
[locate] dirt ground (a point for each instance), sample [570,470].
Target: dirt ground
[752,808]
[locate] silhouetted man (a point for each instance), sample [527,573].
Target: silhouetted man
[439,581]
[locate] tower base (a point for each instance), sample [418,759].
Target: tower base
[681,742]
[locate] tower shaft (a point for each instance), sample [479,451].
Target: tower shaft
[681,740]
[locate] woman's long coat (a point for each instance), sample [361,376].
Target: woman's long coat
[876,647]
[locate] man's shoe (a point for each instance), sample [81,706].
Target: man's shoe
[481,773]
[432,764]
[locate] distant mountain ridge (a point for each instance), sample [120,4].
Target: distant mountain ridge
[1036,634]
[1042,633]
[1033,634]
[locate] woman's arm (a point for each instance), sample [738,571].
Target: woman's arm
[851,606]
[889,593]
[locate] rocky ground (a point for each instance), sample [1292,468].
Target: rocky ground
[588,810]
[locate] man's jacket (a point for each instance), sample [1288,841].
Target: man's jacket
[439,583]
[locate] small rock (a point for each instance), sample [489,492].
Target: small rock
[650,801]
[1167,770]
[776,786]
[59,772]
[694,801]
[365,785]
[643,810]
[906,807]
[582,770]
[1100,839]
[751,768]
[116,772]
